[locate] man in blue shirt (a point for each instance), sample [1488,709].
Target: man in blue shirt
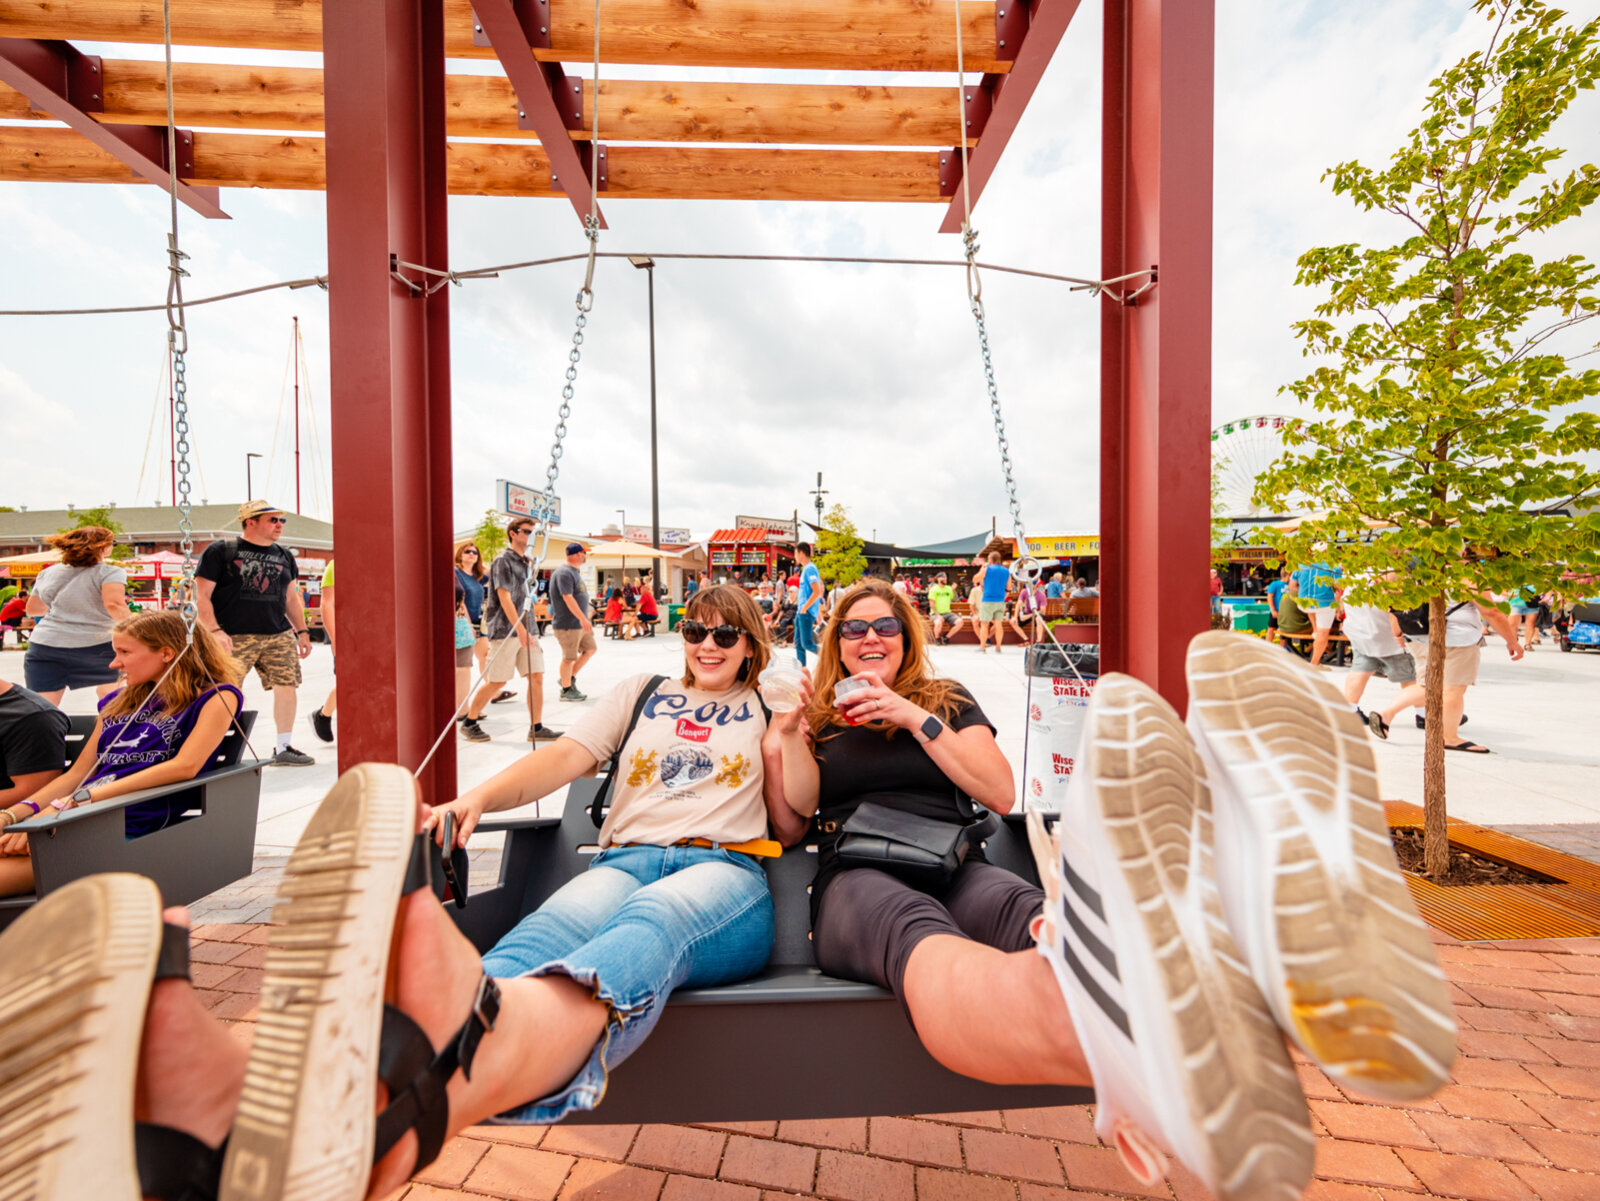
[1275,591]
[1317,601]
[992,605]
[805,621]
[1056,587]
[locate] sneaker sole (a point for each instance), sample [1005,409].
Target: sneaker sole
[74,982]
[1318,900]
[305,1126]
[1234,1112]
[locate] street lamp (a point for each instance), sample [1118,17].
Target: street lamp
[648,265]
[249,489]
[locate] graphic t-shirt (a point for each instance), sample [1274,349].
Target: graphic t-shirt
[995,578]
[810,578]
[135,741]
[509,571]
[940,596]
[252,585]
[567,580]
[692,768]
[33,735]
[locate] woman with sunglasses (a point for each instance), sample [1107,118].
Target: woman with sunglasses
[471,578]
[677,896]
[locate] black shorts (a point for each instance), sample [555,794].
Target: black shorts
[869,922]
[53,668]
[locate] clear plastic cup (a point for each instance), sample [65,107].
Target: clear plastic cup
[848,685]
[780,685]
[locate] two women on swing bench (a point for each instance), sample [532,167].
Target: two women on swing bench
[1199,904]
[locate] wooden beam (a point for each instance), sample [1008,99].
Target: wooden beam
[503,169]
[844,35]
[220,96]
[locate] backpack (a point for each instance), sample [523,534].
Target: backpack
[1414,622]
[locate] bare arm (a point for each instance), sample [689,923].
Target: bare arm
[533,776]
[1503,626]
[296,609]
[216,715]
[36,606]
[577,610]
[327,613]
[24,785]
[115,598]
[206,615]
[68,781]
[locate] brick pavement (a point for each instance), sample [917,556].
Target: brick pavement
[1578,839]
[1520,1122]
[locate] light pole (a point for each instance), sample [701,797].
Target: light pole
[249,489]
[648,266]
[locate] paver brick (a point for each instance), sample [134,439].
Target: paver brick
[923,1142]
[844,1134]
[1552,1184]
[1574,1026]
[522,1136]
[989,1119]
[1487,1044]
[455,1163]
[520,1173]
[1466,1101]
[1015,1155]
[1315,1085]
[1466,1136]
[1565,1114]
[1579,1003]
[1072,1123]
[679,1149]
[1467,1177]
[845,1176]
[936,1184]
[692,1188]
[598,1142]
[1361,1163]
[1496,1073]
[1100,1170]
[758,1129]
[1504,1021]
[1569,1082]
[782,1166]
[1568,1052]
[216,952]
[597,1180]
[1339,1190]
[1369,1123]
[1563,1147]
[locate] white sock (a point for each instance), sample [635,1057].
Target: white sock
[283,742]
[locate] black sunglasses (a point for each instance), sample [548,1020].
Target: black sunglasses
[854,627]
[276,520]
[725,636]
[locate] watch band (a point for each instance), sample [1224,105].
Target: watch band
[929,730]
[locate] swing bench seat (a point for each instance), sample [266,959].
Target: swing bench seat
[210,847]
[790,1043]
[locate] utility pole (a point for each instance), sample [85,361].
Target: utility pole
[819,492]
[297,507]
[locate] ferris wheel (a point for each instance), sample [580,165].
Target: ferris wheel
[1240,451]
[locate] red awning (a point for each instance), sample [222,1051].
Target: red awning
[744,537]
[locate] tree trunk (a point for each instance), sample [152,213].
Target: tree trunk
[1435,838]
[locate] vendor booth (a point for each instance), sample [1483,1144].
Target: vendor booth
[744,554]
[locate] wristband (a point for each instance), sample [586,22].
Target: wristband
[307,633]
[34,805]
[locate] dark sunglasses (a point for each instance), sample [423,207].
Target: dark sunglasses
[276,520]
[465,553]
[854,627]
[694,633]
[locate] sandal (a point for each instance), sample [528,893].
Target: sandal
[75,978]
[1377,725]
[326,1032]
[1472,748]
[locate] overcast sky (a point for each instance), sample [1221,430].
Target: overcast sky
[768,373]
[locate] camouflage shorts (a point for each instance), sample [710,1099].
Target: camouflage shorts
[275,657]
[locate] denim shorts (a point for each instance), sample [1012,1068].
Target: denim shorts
[53,668]
[639,923]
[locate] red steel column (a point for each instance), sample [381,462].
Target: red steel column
[390,370]
[1155,356]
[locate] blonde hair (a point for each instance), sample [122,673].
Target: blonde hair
[736,608]
[82,547]
[194,670]
[916,681]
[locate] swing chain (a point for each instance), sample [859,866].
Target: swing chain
[180,409]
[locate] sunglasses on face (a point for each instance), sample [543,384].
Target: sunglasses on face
[853,628]
[276,520]
[465,553]
[725,636]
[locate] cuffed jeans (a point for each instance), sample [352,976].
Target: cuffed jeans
[642,921]
[805,636]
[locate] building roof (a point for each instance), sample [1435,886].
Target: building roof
[159,523]
[745,534]
[959,547]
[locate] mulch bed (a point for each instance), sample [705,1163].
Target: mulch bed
[1466,867]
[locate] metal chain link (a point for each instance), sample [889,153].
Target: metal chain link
[180,408]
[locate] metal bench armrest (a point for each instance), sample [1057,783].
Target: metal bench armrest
[51,819]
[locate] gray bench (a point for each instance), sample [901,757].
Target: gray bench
[211,846]
[790,1043]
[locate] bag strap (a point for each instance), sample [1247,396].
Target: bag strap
[603,793]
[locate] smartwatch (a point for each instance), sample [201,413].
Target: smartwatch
[929,730]
[82,797]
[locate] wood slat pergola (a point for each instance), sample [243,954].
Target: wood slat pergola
[388,131]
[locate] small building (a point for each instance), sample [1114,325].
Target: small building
[743,554]
[148,529]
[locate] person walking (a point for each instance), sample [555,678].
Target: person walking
[75,603]
[1275,591]
[473,578]
[1463,640]
[991,619]
[513,647]
[322,719]
[805,621]
[1376,645]
[245,597]
[569,613]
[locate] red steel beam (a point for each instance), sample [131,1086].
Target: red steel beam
[541,111]
[1009,94]
[1155,353]
[59,79]
[390,366]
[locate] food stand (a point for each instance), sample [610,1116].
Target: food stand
[743,554]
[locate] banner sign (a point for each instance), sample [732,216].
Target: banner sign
[670,535]
[722,558]
[518,500]
[783,528]
[1064,546]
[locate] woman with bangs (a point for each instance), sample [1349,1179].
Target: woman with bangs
[472,578]
[915,742]
[142,738]
[677,896]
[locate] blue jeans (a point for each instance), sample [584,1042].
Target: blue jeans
[639,923]
[805,635]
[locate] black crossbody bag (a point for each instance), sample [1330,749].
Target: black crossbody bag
[925,852]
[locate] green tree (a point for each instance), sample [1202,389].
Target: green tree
[490,535]
[1448,403]
[101,516]
[839,545]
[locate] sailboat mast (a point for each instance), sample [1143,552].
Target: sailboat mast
[297,507]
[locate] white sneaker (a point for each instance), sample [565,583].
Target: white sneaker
[1307,872]
[1179,1041]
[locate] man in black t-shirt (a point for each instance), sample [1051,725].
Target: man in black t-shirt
[33,751]
[247,599]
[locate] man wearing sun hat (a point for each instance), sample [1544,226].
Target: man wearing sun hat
[245,593]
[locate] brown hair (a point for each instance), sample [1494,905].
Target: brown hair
[735,607]
[81,547]
[916,681]
[521,523]
[195,670]
[477,571]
